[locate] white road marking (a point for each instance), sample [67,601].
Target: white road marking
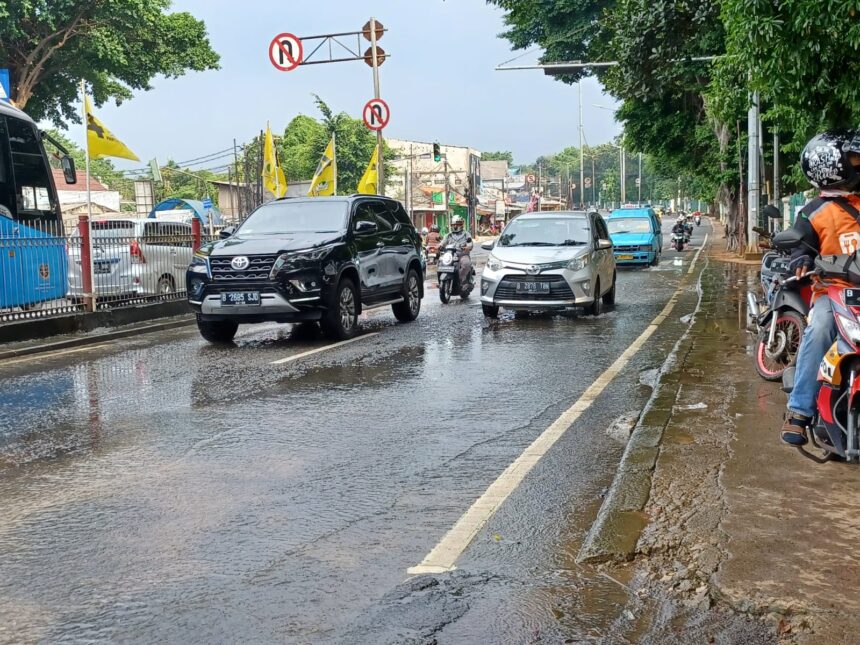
[445,554]
[322,349]
[46,355]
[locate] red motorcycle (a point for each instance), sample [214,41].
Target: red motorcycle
[836,425]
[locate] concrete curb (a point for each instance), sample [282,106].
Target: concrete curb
[619,523]
[95,338]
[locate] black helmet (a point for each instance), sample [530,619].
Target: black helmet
[825,163]
[434,228]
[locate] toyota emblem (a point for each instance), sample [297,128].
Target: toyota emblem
[534,269]
[240,263]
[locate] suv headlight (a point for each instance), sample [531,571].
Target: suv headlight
[199,264]
[578,264]
[494,264]
[306,255]
[645,247]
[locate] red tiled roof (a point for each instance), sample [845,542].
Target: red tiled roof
[60,181]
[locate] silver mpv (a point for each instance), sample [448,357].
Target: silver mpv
[550,260]
[134,258]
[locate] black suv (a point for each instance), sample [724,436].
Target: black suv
[311,259]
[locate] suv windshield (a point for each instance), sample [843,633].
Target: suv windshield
[280,217]
[546,231]
[619,225]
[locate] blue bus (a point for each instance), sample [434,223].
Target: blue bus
[33,257]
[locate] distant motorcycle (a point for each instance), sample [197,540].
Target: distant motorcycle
[448,272]
[698,220]
[679,239]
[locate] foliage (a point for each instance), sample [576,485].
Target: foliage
[505,155]
[115,45]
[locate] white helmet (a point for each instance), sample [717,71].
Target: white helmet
[456,220]
[425,231]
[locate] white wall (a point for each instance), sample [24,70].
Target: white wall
[107,198]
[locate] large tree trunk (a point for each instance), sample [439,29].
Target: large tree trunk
[727,195]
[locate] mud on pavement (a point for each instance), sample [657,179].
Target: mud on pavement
[744,540]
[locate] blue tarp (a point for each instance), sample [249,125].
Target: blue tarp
[193,205]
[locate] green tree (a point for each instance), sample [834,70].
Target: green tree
[505,155]
[117,46]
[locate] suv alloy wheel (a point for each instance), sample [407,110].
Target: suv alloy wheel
[340,320]
[408,310]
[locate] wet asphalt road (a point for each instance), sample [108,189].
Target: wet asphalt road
[161,489]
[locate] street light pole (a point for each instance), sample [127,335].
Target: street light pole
[640,178]
[581,154]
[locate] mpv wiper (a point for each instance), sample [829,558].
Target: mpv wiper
[573,243]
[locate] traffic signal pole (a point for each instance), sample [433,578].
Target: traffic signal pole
[380,162]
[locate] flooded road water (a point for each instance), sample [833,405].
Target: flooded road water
[161,489]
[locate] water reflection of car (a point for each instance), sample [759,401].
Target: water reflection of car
[636,236]
[550,261]
[133,257]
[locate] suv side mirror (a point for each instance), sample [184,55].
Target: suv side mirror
[603,244]
[226,232]
[363,227]
[488,246]
[69,169]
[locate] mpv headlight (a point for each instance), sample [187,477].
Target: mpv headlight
[577,264]
[494,264]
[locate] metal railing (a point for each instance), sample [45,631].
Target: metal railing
[104,264]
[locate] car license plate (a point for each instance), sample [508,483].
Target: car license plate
[247,298]
[532,287]
[100,266]
[444,269]
[623,257]
[852,297]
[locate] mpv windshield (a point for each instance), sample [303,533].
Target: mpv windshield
[546,231]
[620,225]
[285,217]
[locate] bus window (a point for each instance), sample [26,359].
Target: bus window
[32,181]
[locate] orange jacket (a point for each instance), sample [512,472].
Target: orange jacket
[830,228]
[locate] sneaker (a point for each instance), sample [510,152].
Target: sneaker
[794,429]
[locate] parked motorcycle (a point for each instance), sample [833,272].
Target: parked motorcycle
[448,272]
[780,323]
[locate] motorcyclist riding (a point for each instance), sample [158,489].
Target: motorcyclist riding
[829,224]
[461,239]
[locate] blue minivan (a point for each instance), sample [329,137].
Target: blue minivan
[636,236]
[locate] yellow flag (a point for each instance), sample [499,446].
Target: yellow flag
[370,178]
[325,178]
[273,174]
[101,141]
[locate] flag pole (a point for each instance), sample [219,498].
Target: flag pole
[334,160]
[89,195]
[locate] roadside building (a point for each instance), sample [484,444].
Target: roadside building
[73,198]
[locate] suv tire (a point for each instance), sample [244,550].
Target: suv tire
[490,311]
[217,331]
[408,310]
[340,321]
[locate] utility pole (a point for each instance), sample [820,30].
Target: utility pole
[447,194]
[239,189]
[593,181]
[640,178]
[380,165]
[581,154]
[540,184]
[753,172]
[776,195]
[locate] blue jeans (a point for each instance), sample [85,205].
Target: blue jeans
[817,339]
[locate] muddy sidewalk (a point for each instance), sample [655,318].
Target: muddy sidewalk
[744,539]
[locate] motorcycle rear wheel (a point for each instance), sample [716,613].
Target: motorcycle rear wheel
[789,331]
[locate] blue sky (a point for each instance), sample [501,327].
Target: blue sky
[439,82]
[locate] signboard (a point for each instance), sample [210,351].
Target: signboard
[376,114]
[207,203]
[5,89]
[588,182]
[286,52]
[638,181]
[530,178]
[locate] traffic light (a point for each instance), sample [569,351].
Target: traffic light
[437,152]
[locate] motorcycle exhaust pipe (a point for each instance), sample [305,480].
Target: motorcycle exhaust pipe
[753,311]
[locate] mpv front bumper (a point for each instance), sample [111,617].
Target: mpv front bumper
[567,288]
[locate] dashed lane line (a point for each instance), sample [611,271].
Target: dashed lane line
[445,554]
[311,352]
[33,358]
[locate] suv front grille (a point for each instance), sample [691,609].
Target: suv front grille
[558,288]
[258,268]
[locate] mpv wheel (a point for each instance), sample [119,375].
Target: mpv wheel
[217,331]
[596,307]
[340,322]
[408,310]
[165,285]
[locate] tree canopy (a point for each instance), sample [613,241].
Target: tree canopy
[501,155]
[116,46]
